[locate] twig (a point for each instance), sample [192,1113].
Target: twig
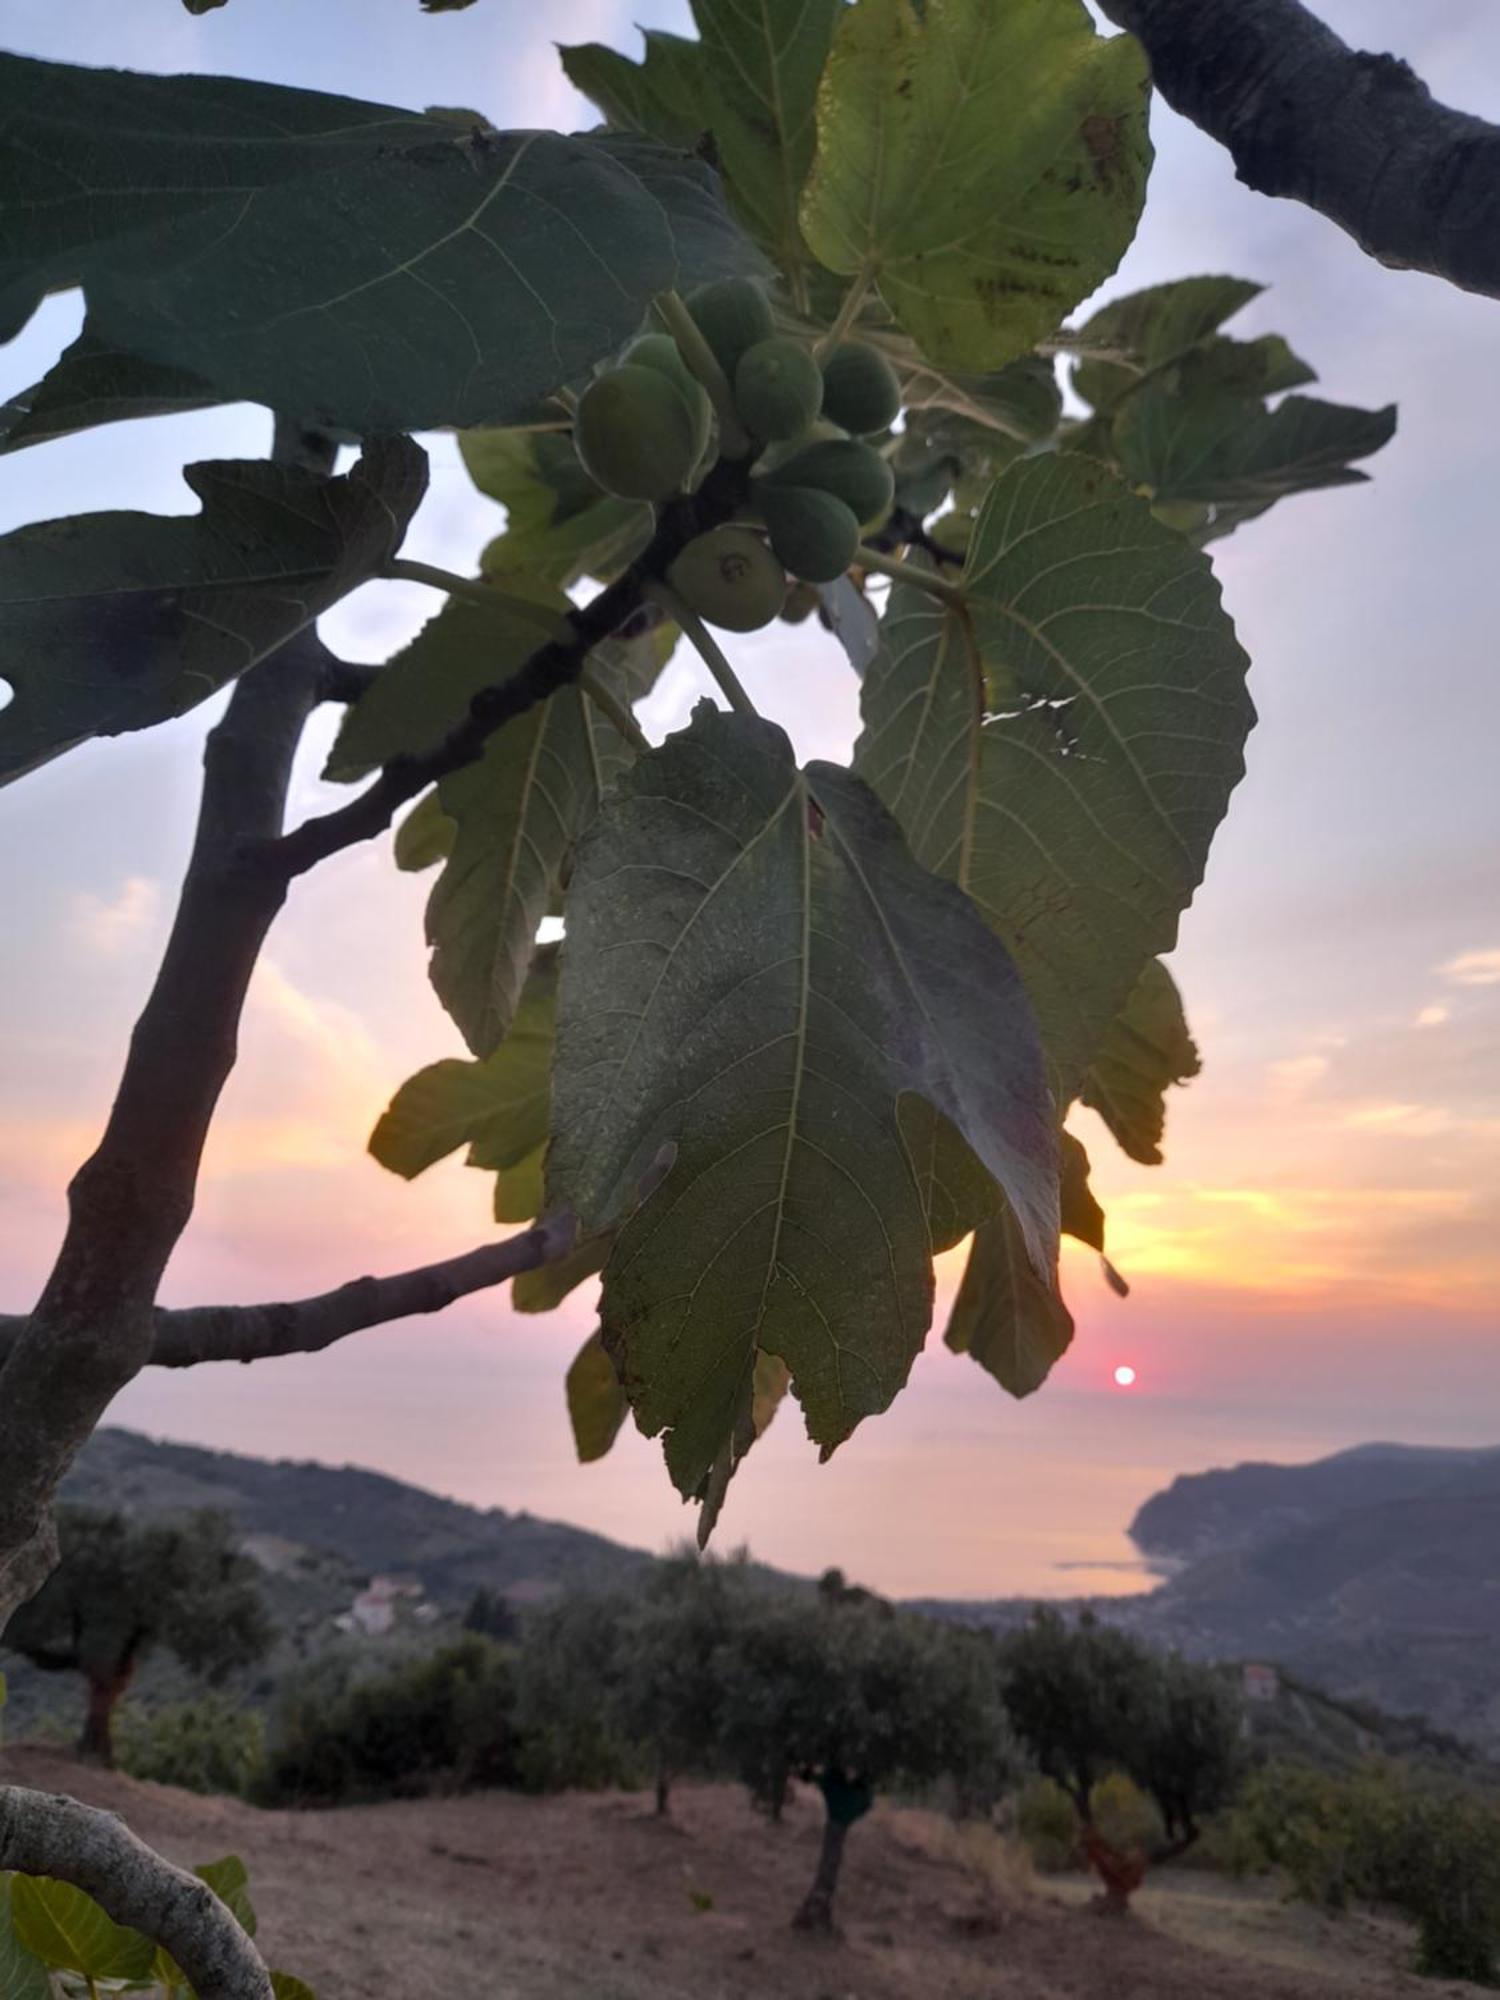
[707,648]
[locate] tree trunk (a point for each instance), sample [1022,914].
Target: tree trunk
[776,1797]
[1121,1874]
[97,1742]
[663,1790]
[816,1913]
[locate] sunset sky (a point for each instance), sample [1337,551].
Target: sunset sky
[1315,1266]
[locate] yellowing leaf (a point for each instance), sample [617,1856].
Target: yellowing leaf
[984,165]
[597,1405]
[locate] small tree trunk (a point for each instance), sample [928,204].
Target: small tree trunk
[816,1913]
[97,1741]
[776,1797]
[663,1790]
[1121,1874]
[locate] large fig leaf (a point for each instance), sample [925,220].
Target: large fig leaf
[92,384]
[1133,335]
[1147,1049]
[983,165]
[68,1931]
[1065,747]
[757,972]
[375,270]
[112,622]
[498,1108]
[1217,447]
[23,1976]
[659,97]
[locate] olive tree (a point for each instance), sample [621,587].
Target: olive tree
[851,1696]
[123,1589]
[783,335]
[1088,1700]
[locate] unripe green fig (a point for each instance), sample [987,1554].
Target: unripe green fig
[848,469]
[732,315]
[730,577]
[860,389]
[634,432]
[778,389]
[814,534]
[660,351]
[802,601]
[776,455]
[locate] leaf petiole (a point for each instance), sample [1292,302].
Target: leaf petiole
[848,313]
[615,710]
[555,624]
[905,572]
[704,363]
[706,646]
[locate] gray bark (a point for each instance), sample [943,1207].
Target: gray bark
[44,1835]
[1356,136]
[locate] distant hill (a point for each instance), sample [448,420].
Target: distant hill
[1207,1513]
[371,1523]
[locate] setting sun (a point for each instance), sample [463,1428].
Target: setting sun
[1124,1376]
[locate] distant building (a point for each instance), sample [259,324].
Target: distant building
[374,1611]
[1260,1683]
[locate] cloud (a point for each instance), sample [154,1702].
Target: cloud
[111,926]
[1473,968]
[1292,1078]
[1432,1017]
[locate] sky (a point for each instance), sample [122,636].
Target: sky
[1315,1266]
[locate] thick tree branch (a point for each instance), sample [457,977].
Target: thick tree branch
[554,665]
[41,1834]
[186,1337]
[94,1325]
[1356,136]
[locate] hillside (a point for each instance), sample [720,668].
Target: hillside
[368,1521]
[550,1898]
[1210,1513]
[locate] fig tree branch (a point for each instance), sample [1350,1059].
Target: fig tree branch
[556,664]
[185,1337]
[94,1325]
[41,1834]
[1356,136]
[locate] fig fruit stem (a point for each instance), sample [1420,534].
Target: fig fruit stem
[848,313]
[400,569]
[706,646]
[704,363]
[905,572]
[614,710]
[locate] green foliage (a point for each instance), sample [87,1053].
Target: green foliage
[1383,1835]
[391,272]
[772,864]
[1034,129]
[111,622]
[814,1026]
[206,1745]
[1124,1814]
[440,1723]
[1047,1823]
[123,1589]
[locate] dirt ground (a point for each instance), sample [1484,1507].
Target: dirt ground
[586,1895]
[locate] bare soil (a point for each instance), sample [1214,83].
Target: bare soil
[588,1895]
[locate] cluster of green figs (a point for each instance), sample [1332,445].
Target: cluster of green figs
[645,430]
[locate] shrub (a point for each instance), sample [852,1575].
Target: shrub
[436,1724]
[1125,1815]
[1048,1827]
[208,1745]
